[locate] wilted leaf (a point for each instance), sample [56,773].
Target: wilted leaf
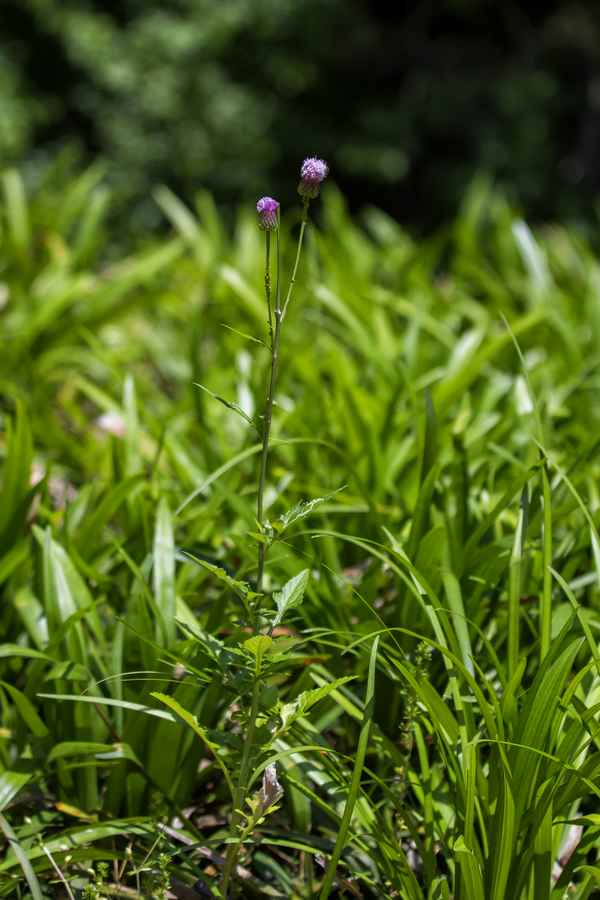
[264,800]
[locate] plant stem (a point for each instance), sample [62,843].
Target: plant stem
[262,548]
[275,334]
[240,791]
[268,286]
[305,201]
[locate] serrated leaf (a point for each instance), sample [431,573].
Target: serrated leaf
[301,510]
[290,596]
[242,588]
[257,645]
[230,405]
[214,647]
[292,711]
[191,720]
[187,717]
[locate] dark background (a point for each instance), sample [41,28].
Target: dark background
[407,101]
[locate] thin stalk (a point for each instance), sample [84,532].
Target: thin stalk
[302,227]
[240,792]
[268,286]
[241,786]
[275,333]
[262,548]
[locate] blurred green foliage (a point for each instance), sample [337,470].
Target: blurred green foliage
[405,103]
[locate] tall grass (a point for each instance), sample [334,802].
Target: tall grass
[465,541]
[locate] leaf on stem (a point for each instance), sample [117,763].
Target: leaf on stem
[250,337]
[301,510]
[230,405]
[264,800]
[291,595]
[292,711]
[241,588]
[258,645]
[212,645]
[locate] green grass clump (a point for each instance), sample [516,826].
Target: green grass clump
[454,579]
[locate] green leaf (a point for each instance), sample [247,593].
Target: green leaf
[76,748]
[69,671]
[108,701]
[300,706]
[250,337]
[229,405]
[290,596]
[15,476]
[103,514]
[17,212]
[193,723]
[13,842]
[212,645]
[14,779]
[9,650]
[25,709]
[164,570]
[241,588]
[301,510]
[258,645]
[470,870]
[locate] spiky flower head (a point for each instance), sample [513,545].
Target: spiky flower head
[268,209]
[313,172]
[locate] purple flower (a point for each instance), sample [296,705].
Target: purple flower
[313,172]
[268,209]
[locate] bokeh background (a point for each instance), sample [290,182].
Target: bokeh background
[406,100]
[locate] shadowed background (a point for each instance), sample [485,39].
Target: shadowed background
[406,105]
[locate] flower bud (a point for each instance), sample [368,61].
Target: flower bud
[268,209]
[313,172]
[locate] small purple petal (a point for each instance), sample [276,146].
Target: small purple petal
[313,172]
[268,209]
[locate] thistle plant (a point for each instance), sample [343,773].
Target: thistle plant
[244,668]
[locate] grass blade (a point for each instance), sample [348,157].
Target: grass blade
[34,885]
[356,776]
